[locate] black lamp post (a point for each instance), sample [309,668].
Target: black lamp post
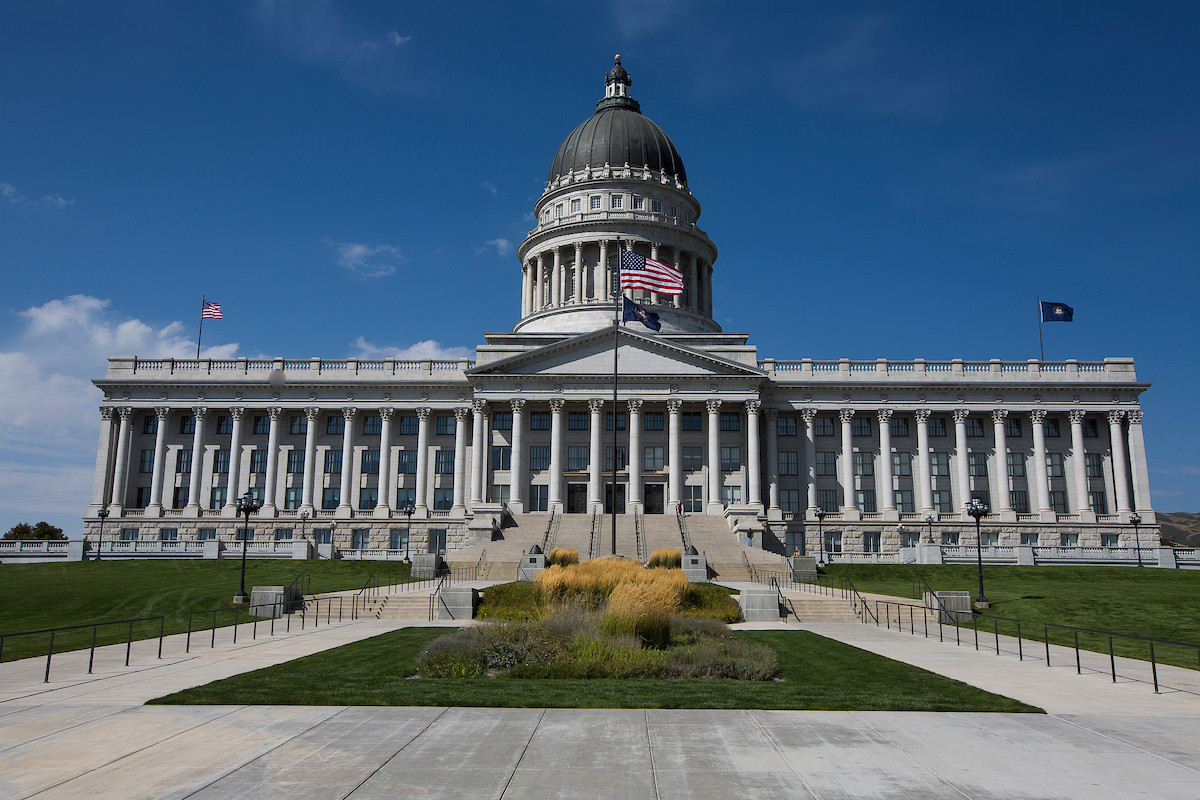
[1135,519]
[303,520]
[929,522]
[408,510]
[977,509]
[820,515]
[246,505]
[103,515]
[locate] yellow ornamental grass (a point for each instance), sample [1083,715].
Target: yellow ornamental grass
[643,610]
[563,556]
[596,579]
[669,557]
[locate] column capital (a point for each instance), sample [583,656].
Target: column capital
[460,414]
[274,413]
[313,413]
[386,413]
[712,405]
[556,404]
[237,412]
[635,405]
[771,414]
[349,413]
[106,412]
[1077,415]
[479,405]
[846,414]
[197,411]
[960,415]
[885,415]
[1135,416]
[752,406]
[596,405]
[999,414]
[578,247]
[921,414]
[809,414]
[1038,415]
[517,404]
[423,412]
[162,412]
[1115,416]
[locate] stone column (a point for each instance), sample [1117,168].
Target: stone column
[654,297]
[345,509]
[313,416]
[556,279]
[103,466]
[810,458]
[693,285]
[121,470]
[602,274]
[383,503]
[675,298]
[516,473]
[1045,510]
[924,484]
[1120,468]
[883,472]
[1137,466]
[714,457]
[539,285]
[554,496]
[962,474]
[525,269]
[580,275]
[234,483]
[753,457]
[162,413]
[193,504]
[774,512]
[1078,462]
[479,452]
[272,487]
[849,509]
[595,455]
[459,507]
[674,456]
[634,503]
[1003,499]
[421,506]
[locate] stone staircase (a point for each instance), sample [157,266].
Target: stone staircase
[818,608]
[402,605]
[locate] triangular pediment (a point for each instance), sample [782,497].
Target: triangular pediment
[591,354]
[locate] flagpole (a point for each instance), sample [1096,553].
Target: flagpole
[1041,347]
[617,305]
[201,333]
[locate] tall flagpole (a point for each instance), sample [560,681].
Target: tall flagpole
[1041,347]
[201,333]
[617,304]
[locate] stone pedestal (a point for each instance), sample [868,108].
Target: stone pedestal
[531,566]
[457,602]
[1024,555]
[955,606]
[804,568]
[929,554]
[1166,558]
[327,551]
[426,565]
[696,568]
[75,550]
[269,601]
[760,605]
[302,549]
[212,548]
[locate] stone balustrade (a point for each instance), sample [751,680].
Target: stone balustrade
[300,370]
[1110,370]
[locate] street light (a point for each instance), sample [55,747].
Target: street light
[977,509]
[304,515]
[103,515]
[929,522]
[1135,519]
[407,509]
[820,515]
[246,505]
[901,530]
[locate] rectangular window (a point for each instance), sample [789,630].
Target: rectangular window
[369,462]
[939,465]
[785,426]
[323,535]
[731,459]
[639,203]
[262,425]
[283,534]
[1097,502]
[864,463]
[1016,465]
[406,463]
[292,497]
[827,500]
[1029,539]
[833,542]
[622,458]
[974,427]
[823,426]
[789,500]
[1050,426]
[500,493]
[180,496]
[187,424]
[826,464]
[330,497]
[608,422]
[731,495]
[398,539]
[502,421]
[295,462]
[146,462]
[984,497]
[864,499]
[150,424]
[129,534]
[539,457]
[937,426]
[617,201]
[406,497]
[410,426]
[904,501]
[989,539]
[1019,500]
[977,465]
[1068,540]
[183,461]
[693,420]
[577,420]
[558,210]
[207,534]
[539,498]
[221,462]
[871,541]
[652,421]
[299,425]
[539,420]
[577,458]
[594,202]
[909,538]
[256,494]
[576,205]
[731,421]
[674,211]
[360,538]
[224,425]
[902,464]
[333,462]
[860,426]
[950,538]
[1091,430]
[443,462]
[942,502]
[372,425]
[501,457]
[789,462]
[1058,501]
[898,426]
[1054,465]
[653,459]
[693,459]
[335,425]
[1012,428]
[217,497]
[258,461]
[446,426]
[368,498]
[656,206]
[1094,465]
[1109,540]
[693,499]
[143,497]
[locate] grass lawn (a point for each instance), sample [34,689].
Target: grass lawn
[36,596]
[1160,603]
[818,673]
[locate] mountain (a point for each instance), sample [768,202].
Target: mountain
[1179,528]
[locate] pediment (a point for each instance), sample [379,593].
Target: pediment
[591,354]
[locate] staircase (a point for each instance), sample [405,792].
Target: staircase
[818,608]
[403,605]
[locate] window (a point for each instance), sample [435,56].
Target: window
[1029,539]
[143,497]
[950,538]
[501,457]
[1016,465]
[693,459]
[833,542]
[942,502]
[1109,540]
[621,458]
[398,539]
[360,538]
[898,426]
[224,425]
[789,500]
[443,462]
[984,497]
[368,498]
[446,426]
[218,495]
[1054,465]
[989,539]
[652,421]
[594,202]
[323,535]
[653,459]
[262,425]
[617,201]
[502,421]
[910,538]
[258,461]
[256,494]
[731,459]
[372,425]
[608,422]
[187,424]
[406,464]
[827,499]
[146,462]
[577,458]
[576,206]
[207,534]
[826,464]
[860,426]
[1012,428]
[939,465]
[333,462]
[180,496]
[902,464]
[129,534]
[785,426]
[295,462]
[823,426]
[292,497]
[1093,465]
[150,423]
[656,206]
[731,495]
[1058,501]
[539,498]
[692,420]
[904,501]
[693,499]
[864,500]
[1091,431]
[283,534]
[335,425]
[221,461]
[639,203]
[731,421]
[406,497]
[1050,426]
[330,497]
[369,462]
[974,427]
[183,461]
[577,420]
[410,426]
[539,457]
[1097,502]
[500,493]
[1068,540]
[1019,500]
[539,421]
[871,541]
[789,462]
[674,211]
[558,210]
[299,425]
[977,465]
[864,463]
[937,426]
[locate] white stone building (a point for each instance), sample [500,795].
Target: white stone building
[704,425]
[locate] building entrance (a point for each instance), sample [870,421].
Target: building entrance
[608,499]
[654,498]
[576,498]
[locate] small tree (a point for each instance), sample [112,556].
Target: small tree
[43,530]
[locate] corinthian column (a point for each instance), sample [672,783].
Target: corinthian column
[459,508]
[479,452]
[103,465]
[960,458]
[1078,462]
[921,415]
[883,473]
[234,483]
[121,470]
[539,285]
[556,281]
[715,506]
[1045,510]
[675,299]
[1003,498]
[345,509]
[580,275]
[162,414]
[849,509]
[595,456]
[516,473]
[1120,465]
[383,503]
[602,274]
[193,504]
[774,512]
[753,460]
[269,491]
[422,483]
[810,459]
[312,415]
[635,456]
[674,455]
[1137,466]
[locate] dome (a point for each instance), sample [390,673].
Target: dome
[617,134]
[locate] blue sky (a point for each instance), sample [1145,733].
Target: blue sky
[882,180]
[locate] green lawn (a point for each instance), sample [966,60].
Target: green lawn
[1159,603]
[36,596]
[818,673]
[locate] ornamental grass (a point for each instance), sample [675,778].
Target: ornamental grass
[594,580]
[666,557]
[563,557]
[643,610]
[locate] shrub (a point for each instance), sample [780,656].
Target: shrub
[516,600]
[709,600]
[668,557]
[563,557]
[456,655]
[642,610]
[691,629]
[717,658]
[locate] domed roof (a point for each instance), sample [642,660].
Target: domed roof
[617,134]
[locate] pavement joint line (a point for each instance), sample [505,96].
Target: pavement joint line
[650,752]
[390,758]
[935,773]
[779,750]
[113,713]
[512,773]
[1101,734]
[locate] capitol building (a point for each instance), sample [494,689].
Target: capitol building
[384,455]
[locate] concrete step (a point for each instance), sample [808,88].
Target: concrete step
[415,606]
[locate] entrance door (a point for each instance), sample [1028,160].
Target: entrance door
[654,498]
[576,498]
[437,540]
[608,499]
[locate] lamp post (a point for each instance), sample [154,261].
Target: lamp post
[977,509]
[407,510]
[246,505]
[303,520]
[901,530]
[929,522]
[103,515]
[1135,519]
[820,515]
[332,531]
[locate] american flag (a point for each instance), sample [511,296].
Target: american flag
[639,272]
[211,311]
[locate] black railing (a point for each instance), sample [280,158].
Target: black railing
[551,534]
[1112,659]
[95,627]
[360,598]
[639,537]
[784,602]
[597,527]
[683,531]
[436,596]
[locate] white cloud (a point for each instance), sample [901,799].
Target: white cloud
[491,188]
[369,45]
[503,247]
[421,350]
[10,193]
[395,39]
[368,260]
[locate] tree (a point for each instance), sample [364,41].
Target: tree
[43,530]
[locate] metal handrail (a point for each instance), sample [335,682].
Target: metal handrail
[302,583]
[856,600]
[94,626]
[551,533]
[929,589]
[435,596]
[785,602]
[638,533]
[369,589]
[750,569]
[1046,626]
[683,531]
[594,544]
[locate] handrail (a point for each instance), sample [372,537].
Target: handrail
[683,531]
[479,564]
[302,583]
[594,544]
[638,533]
[784,602]
[436,596]
[369,589]
[94,626]
[929,589]
[856,599]
[750,568]
[551,534]
[1046,626]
